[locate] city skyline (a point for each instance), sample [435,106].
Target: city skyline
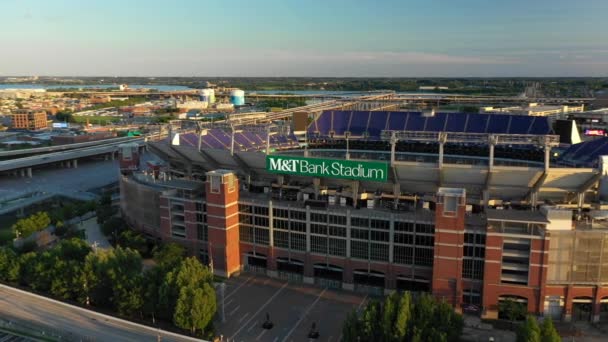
[288,38]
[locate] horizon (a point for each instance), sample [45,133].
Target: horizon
[340,39]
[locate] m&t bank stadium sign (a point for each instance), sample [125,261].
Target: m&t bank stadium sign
[334,168]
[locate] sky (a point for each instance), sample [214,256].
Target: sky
[314,38]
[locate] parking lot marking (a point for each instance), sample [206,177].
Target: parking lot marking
[242,318]
[238,287]
[234,310]
[361,304]
[228,302]
[261,334]
[304,315]
[252,326]
[261,308]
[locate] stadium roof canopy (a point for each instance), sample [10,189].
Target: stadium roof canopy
[585,153]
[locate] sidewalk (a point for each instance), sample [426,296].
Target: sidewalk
[93,234]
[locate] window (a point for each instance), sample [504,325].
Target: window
[284,213]
[337,231]
[200,217]
[380,224]
[260,211]
[261,236]
[297,215]
[245,234]
[406,239]
[474,251]
[423,256]
[298,242]
[379,251]
[244,208]
[280,224]
[359,222]
[379,236]
[260,221]
[337,247]
[199,207]
[424,240]
[470,296]
[472,269]
[362,234]
[281,239]
[339,220]
[315,217]
[298,226]
[403,255]
[178,231]
[404,226]
[245,219]
[201,232]
[318,244]
[425,228]
[359,249]
[215,183]
[318,229]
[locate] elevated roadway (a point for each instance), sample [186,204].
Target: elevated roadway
[40,150]
[68,158]
[73,323]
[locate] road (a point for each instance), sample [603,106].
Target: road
[73,321]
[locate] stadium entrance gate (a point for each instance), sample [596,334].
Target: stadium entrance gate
[256,263]
[290,269]
[371,282]
[329,276]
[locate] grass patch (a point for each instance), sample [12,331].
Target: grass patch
[101,120]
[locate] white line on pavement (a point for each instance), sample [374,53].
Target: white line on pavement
[361,304]
[304,315]
[260,309]
[234,310]
[228,302]
[238,287]
[276,339]
[242,318]
[261,334]
[252,326]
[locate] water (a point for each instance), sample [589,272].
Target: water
[161,87]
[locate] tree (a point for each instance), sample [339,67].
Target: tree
[114,226]
[195,307]
[169,255]
[548,332]
[401,319]
[34,223]
[403,316]
[529,331]
[9,265]
[512,310]
[133,240]
[64,116]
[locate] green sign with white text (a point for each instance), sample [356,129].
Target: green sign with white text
[334,168]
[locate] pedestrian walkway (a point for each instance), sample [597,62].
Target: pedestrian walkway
[93,234]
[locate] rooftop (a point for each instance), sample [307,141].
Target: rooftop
[516,216]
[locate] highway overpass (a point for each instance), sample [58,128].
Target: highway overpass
[69,158]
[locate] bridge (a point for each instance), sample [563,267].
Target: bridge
[69,158]
[41,150]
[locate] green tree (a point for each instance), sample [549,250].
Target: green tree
[64,116]
[548,332]
[195,307]
[350,327]
[389,312]
[133,240]
[34,223]
[169,255]
[529,331]
[403,316]
[370,322]
[9,265]
[512,310]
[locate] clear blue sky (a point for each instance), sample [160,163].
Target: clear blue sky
[304,37]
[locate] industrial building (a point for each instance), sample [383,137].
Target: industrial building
[29,119]
[472,208]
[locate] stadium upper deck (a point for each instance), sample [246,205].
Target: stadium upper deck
[494,157]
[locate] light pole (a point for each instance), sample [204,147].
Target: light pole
[222,294]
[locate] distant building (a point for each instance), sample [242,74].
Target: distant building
[29,119]
[533,109]
[433,88]
[65,139]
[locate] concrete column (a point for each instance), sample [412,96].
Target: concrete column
[112,155]
[596,305]
[29,172]
[396,193]
[391,240]
[316,182]
[355,192]
[22,171]
[105,157]
[68,163]
[75,163]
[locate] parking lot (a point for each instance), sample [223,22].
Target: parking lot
[292,309]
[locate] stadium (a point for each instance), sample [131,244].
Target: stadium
[475,208]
